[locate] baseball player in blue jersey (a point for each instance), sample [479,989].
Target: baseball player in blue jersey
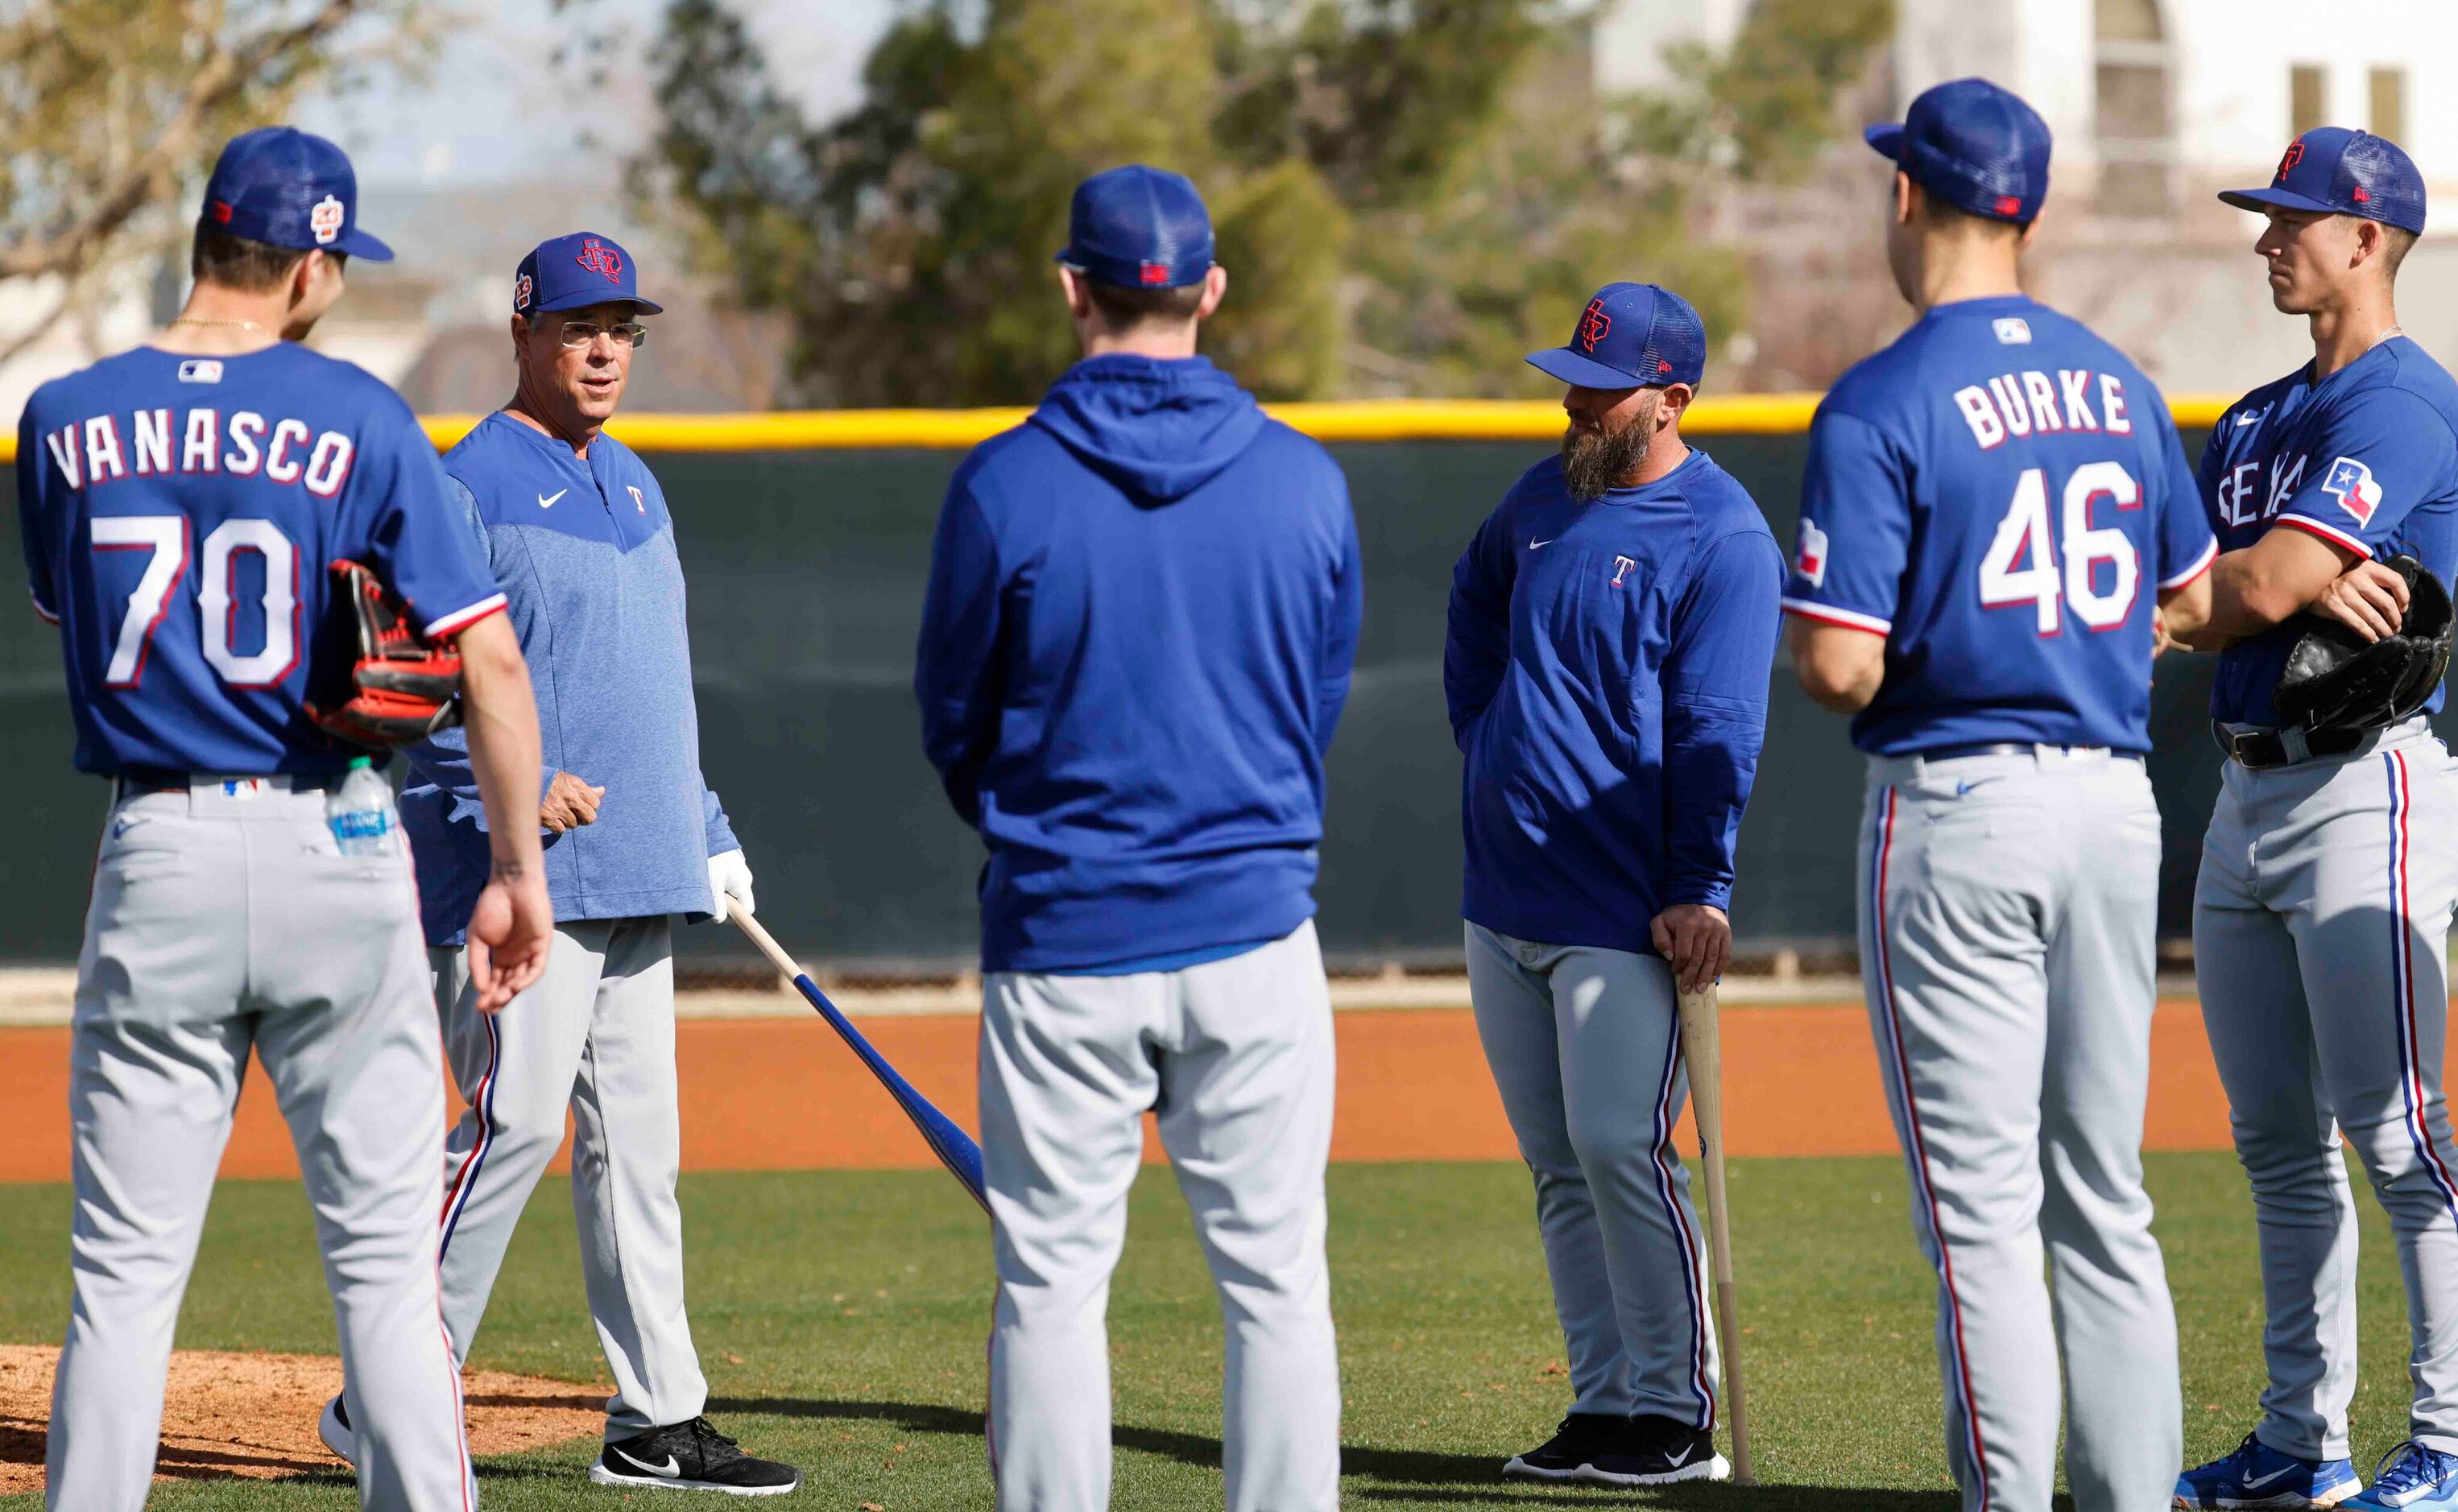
[2328,877]
[577,531]
[1993,505]
[1611,630]
[1143,606]
[181,504]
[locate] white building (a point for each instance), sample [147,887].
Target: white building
[2157,105]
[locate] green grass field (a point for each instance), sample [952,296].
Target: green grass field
[857,1303]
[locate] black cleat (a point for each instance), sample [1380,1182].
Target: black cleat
[1582,1436]
[1657,1451]
[691,1457]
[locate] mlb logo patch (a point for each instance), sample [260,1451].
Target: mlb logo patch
[201,370]
[325,220]
[1809,561]
[2351,483]
[2013,330]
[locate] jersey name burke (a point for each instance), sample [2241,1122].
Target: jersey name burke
[2034,401]
[102,449]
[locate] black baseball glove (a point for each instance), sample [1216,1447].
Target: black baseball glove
[373,680]
[2336,680]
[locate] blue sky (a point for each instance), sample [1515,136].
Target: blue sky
[494,110]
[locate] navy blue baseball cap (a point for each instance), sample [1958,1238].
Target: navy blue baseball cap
[1630,336]
[2339,171]
[1138,228]
[574,272]
[285,188]
[1977,146]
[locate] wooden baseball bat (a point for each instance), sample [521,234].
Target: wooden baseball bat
[1702,1048]
[956,1150]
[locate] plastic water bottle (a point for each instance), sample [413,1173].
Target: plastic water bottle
[361,815]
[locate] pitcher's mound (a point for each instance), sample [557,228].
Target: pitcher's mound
[255,1415]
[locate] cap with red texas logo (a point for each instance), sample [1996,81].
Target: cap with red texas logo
[574,272]
[286,188]
[2333,171]
[1631,336]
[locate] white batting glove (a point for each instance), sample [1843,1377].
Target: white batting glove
[729,876]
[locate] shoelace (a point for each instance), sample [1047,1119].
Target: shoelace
[704,1433]
[2412,1466]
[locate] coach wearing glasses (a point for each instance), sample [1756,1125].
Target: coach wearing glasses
[577,532]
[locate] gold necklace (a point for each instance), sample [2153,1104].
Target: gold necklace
[198,320]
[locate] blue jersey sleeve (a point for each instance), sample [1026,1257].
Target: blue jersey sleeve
[1476,650]
[2373,461]
[1347,617]
[2186,546]
[33,526]
[956,668]
[418,532]
[1855,527]
[1714,681]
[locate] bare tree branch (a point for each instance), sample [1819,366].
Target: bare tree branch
[223,73]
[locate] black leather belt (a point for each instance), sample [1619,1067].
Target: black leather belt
[1993,748]
[2257,748]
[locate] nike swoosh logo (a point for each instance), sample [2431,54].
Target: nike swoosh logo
[1677,1460]
[2257,1482]
[672,1469]
[1534,544]
[1962,788]
[2243,420]
[546,500]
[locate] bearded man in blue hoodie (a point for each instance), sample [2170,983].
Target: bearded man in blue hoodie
[1143,606]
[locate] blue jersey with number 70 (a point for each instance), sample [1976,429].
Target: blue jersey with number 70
[2002,496]
[179,516]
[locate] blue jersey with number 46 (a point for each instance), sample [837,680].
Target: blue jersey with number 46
[2366,460]
[2002,496]
[179,516]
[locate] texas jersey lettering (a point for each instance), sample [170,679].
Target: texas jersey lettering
[181,514]
[2366,460]
[2042,478]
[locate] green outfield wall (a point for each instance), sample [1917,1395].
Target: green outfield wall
[807,567]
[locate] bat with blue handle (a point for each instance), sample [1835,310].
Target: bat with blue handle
[955,1148]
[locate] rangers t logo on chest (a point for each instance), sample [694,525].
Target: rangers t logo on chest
[1622,566]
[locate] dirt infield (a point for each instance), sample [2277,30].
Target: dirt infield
[783,1094]
[253,1415]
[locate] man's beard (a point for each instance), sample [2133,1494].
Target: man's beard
[1595,462]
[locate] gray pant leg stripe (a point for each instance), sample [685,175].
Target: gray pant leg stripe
[1692,1296]
[457,1200]
[2410,1077]
[1884,851]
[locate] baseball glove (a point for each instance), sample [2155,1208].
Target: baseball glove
[2336,680]
[373,680]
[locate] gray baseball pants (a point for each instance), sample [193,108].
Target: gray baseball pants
[594,1033]
[1235,1058]
[2006,914]
[223,920]
[1585,1044]
[2320,925]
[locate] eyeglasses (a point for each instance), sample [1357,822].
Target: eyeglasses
[626,333]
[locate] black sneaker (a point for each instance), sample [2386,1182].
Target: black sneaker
[1581,1437]
[691,1457]
[1657,1451]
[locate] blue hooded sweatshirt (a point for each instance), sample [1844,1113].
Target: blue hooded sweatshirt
[1143,606]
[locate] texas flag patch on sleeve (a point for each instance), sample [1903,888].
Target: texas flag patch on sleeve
[1809,561]
[2351,483]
